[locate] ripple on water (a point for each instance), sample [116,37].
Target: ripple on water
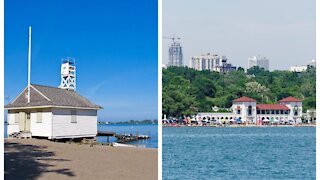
[239,153]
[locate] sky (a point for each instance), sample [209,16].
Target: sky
[282,31]
[115,44]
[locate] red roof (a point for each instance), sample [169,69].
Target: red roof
[290,99]
[244,99]
[272,107]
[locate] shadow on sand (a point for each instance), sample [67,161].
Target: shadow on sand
[23,161]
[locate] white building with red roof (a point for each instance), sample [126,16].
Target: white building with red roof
[289,110]
[245,108]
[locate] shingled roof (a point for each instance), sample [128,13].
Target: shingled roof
[50,96]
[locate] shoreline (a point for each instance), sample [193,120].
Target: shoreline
[44,159]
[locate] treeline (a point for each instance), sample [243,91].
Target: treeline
[147,121]
[187,91]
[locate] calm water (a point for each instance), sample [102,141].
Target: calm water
[239,153]
[150,129]
[124,128]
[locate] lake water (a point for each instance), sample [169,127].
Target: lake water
[150,129]
[239,153]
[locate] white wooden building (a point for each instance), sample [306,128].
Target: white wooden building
[53,113]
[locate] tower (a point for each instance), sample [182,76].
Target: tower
[68,74]
[175,53]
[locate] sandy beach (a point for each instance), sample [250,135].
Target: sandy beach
[43,159]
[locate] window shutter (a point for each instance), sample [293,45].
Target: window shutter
[39,117]
[16,117]
[73,116]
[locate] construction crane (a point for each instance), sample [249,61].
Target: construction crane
[173,38]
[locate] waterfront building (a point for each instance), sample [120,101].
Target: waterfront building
[246,110]
[53,113]
[259,61]
[211,62]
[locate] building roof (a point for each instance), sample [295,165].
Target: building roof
[50,96]
[290,99]
[272,107]
[244,99]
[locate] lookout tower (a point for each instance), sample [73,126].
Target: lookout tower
[68,74]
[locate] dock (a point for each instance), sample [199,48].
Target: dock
[123,138]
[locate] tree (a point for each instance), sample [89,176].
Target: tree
[188,91]
[240,69]
[255,70]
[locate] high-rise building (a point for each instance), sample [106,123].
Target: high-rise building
[259,61]
[212,62]
[175,53]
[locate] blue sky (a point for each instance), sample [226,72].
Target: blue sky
[114,43]
[283,31]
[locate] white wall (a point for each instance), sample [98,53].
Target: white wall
[12,125]
[62,127]
[244,110]
[42,129]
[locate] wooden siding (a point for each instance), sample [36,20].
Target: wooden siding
[13,124]
[43,128]
[85,125]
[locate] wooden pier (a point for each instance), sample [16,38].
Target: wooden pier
[123,138]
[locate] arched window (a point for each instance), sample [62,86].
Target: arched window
[238,110]
[249,110]
[295,110]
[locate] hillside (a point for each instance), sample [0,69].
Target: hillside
[187,91]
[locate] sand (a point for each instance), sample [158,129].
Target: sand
[43,159]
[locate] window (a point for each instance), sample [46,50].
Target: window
[263,112]
[73,116]
[258,111]
[39,117]
[238,111]
[296,110]
[249,110]
[16,117]
[277,111]
[272,111]
[281,111]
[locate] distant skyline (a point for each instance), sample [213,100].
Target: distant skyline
[115,44]
[282,31]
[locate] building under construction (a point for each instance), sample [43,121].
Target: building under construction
[175,53]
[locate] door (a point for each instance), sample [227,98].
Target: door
[24,122]
[28,123]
